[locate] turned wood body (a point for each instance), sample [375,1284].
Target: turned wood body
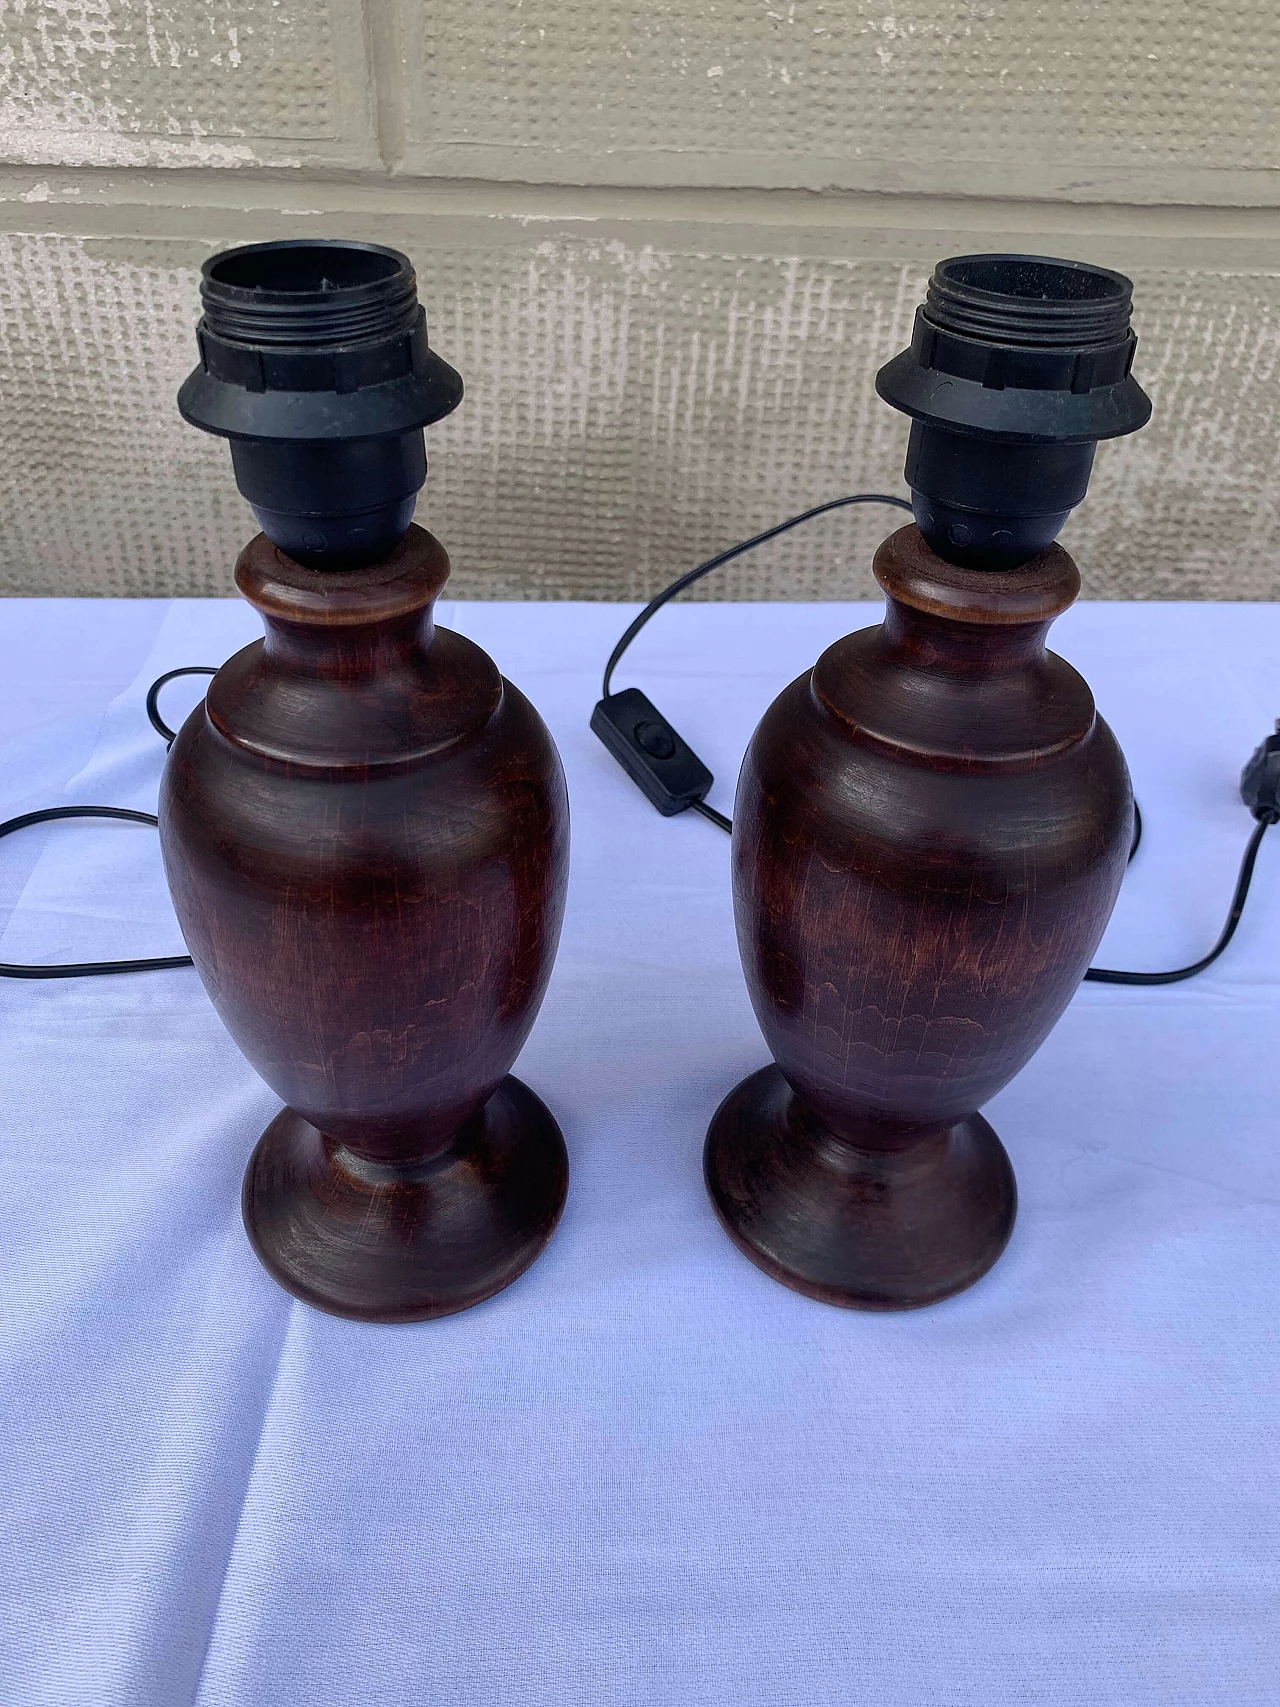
[365,832]
[366,837]
[930,831]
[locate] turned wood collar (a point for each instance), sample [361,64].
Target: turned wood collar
[1036,592]
[407,581]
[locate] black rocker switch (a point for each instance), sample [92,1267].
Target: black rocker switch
[650,751]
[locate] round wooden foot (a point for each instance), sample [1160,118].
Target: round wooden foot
[388,1242]
[866,1229]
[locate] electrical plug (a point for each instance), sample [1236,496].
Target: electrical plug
[1260,780]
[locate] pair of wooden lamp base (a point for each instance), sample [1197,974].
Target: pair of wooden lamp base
[366,830]
[366,835]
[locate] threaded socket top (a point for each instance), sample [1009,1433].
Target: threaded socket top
[308,294]
[1029,300]
[1018,365]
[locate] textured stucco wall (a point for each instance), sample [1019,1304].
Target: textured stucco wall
[667,245]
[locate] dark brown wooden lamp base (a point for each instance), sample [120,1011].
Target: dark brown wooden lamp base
[365,828]
[366,836]
[932,824]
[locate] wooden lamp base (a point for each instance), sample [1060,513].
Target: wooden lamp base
[366,835]
[865,1226]
[365,828]
[931,825]
[402,1241]
[930,829]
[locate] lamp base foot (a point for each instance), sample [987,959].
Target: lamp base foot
[865,1228]
[385,1242]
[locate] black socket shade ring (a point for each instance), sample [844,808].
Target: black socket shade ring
[314,339]
[1021,348]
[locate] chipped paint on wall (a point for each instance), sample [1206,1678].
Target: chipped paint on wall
[166,83]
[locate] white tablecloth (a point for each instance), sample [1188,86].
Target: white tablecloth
[646,1473]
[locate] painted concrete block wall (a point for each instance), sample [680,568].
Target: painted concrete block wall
[1141,99]
[667,245]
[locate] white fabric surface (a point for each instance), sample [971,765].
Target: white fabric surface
[646,1473]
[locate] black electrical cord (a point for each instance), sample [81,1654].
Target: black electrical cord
[51,814]
[692,575]
[162,729]
[716,818]
[1265,813]
[1104,975]
[87,968]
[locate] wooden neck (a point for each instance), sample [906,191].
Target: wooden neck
[957,674]
[290,698]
